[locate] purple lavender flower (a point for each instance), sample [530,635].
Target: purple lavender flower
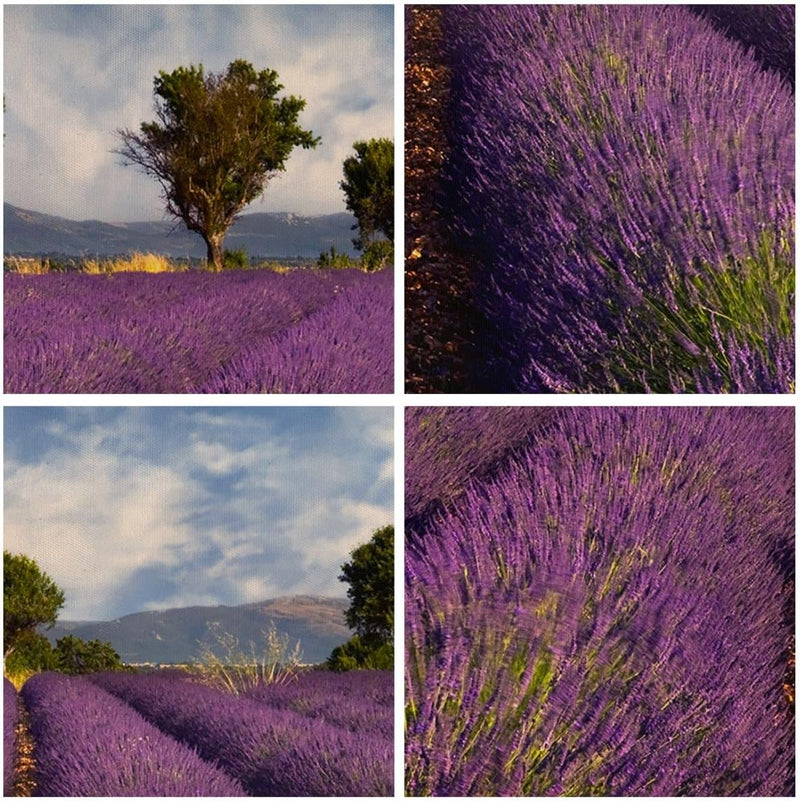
[199,332]
[90,744]
[10,718]
[607,184]
[576,622]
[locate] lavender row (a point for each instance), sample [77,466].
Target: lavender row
[345,347]
[272,752]
[610,614]
[445,447]
[155,333]
[88,743]
[615,193]
[10,719]
[361,701]
[768,29]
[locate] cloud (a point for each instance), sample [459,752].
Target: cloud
[140,508]
[76,74]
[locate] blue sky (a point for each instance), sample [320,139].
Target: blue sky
[132,509]
[75,74]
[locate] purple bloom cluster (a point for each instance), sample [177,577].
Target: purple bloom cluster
[272,752]
[187,332]
[768,29]
[614,169]
[10,718]
[361,701]
[344,347]
[609,613]
[88,743]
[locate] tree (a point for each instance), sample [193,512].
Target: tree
[370,573]
[30,599]
[75,656]
[217,141]
[368,186]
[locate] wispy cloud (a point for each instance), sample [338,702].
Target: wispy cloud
[142,508]
[74,74]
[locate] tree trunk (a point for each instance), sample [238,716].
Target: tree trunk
[214,255]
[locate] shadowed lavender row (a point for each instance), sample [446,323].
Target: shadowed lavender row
[10,718]
[610,613]
[89,743]
[175,332]
[344,347]
[272,752]
[626,175]
[361,701]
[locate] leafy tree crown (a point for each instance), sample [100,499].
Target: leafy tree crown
[370,573]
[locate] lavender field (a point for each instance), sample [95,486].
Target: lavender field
[239,332]
[121,734]
[621,180]
[600,602]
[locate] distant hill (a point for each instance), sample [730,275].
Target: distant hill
[172,635]
[29,233]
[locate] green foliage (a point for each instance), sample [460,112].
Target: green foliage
[32,653]
[217,141]
[336,260]
[368,186]
[377,254]
[745,299]
[235,259]
[30,599]
[370,573]
[76,657]
[355,654]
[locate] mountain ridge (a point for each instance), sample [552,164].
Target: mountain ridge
[260,234]
[177,635]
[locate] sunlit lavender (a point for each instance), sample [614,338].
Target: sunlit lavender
[605,610]
[254,331]
[625,176]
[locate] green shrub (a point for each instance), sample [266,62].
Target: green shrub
[335,260]
[235,259]
[357,654]
[32,653]
[75,656]
[377,254]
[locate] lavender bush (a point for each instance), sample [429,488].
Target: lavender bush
[634,208]
[768,29]
[88,743]
[10,718]
[344,347]
[609,613]
[272,752]
[187,332]
[361,701]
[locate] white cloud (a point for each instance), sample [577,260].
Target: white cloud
[150,508]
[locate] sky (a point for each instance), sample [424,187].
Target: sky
[75,74]
[137,508]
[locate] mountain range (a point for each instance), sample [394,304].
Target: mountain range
[175,636]
[261,235]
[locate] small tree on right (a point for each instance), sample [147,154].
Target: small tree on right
[368,186]
[370,573]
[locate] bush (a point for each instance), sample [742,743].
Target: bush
[224,665]
[32,653]
[76,657]
[358,654]
[235,259]
[377,254]
[335,260]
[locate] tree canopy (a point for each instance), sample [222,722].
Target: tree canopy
[368,186]
[30,599]
[370,573]
[217,141]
